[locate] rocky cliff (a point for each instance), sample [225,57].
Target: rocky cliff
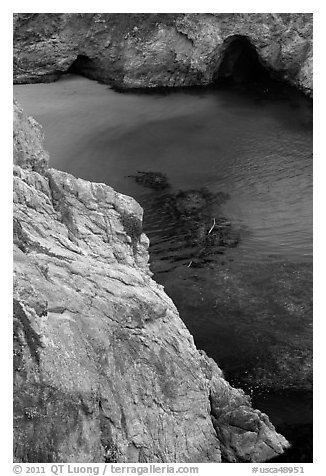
[159,50]
[104,368]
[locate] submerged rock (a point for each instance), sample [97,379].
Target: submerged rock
[195,202]
[104,368]
[154,180]
[262,309]
[149,50]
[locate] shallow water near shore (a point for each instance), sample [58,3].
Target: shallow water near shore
[250,307]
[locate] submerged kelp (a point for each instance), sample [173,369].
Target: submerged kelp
[199,220]
[199,227]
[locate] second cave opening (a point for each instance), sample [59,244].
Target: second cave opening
[241,64]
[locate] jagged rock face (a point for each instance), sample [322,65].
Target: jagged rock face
[28,137]
[158,50]
[104,369]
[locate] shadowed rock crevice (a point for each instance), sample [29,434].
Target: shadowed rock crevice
[24,332]
[110,449]
[65,211]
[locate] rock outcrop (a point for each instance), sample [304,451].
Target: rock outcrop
[159,50]
[104,368]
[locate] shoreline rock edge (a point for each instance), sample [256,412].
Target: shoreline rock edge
[104,368]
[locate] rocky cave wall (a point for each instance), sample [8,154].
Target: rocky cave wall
[104,368]
[158,50]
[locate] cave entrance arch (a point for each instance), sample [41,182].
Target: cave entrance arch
[83,66]
[240,63]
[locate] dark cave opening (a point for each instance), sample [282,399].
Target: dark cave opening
[241,64]
[83,66]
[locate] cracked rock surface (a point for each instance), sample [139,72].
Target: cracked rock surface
[158,50]
[104,368]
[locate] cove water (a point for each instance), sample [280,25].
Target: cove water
[252,304]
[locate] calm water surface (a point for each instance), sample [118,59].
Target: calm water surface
[252,304]
[257,150]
